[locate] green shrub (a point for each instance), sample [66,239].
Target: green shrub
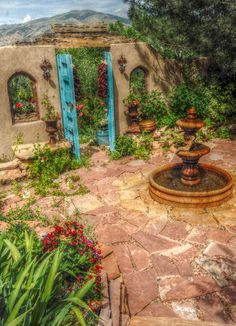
[125,146]
[48,165]
[153,106]
[31,291]
[182,97]
[140,148]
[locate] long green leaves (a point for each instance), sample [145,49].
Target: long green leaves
[31,288]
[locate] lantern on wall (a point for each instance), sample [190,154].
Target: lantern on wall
[122,64]
[46,67]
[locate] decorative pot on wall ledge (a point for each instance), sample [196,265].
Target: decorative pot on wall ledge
[147,125]
[52,129]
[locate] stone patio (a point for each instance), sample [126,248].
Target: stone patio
[175,263]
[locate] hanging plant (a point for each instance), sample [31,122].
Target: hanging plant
[77,84]
[102,80]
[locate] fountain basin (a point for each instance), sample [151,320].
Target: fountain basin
[216,186]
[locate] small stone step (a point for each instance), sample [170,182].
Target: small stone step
[12,165]
[7,176]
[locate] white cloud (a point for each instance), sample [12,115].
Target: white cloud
[27,19]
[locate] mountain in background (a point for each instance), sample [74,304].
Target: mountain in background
[10,34]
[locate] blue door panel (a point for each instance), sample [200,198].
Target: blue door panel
[67,92]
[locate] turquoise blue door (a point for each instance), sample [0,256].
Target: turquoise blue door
[111,106]
[68,105]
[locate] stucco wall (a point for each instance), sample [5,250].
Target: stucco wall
[162,74]
[25,59]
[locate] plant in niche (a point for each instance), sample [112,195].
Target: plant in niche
[132,100]
[51,117]
[51,113]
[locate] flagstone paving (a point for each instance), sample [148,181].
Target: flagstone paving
[175,262]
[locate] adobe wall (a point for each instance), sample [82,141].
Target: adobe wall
[25,59]
[162,74]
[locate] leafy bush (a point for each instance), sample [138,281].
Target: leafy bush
[221,103]
[183,97]
[48,165]
[153,106]
[31,291]
[127,146]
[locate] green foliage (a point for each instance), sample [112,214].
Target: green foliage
[125,146]
[24,213]
[223,132]
[48,165]
[185,28]
[183,97]
[51,113]
[138,81]
[221,103]
[140,148]
[153,106]
[31,286]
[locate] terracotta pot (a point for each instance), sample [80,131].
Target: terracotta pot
[51,129]
[147,125]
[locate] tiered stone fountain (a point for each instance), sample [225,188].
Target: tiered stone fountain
[191,184]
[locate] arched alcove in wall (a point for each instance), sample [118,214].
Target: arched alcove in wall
[23,97]
[138,80]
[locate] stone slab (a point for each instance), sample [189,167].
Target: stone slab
[12,165]
[142,289]
[25,152]
[152,243]
[178,288]
[163,321]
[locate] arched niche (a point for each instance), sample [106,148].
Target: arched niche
[138,80]
[23,98]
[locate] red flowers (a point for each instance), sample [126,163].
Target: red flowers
[80,255]
[81,114]
[19,105]
[79,107]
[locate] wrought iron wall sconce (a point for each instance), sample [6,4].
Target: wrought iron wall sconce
[46,67]
[122,63]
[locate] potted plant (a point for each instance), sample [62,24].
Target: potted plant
[51,118]
[153,107]
[132,102]
[103,133]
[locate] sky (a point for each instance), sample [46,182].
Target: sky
[20,11]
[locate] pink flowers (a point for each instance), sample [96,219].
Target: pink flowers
[81,114]
[79,107]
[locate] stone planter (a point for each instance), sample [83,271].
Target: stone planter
[51,129]
[147,125]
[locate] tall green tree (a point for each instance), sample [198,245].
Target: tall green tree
[189,27]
